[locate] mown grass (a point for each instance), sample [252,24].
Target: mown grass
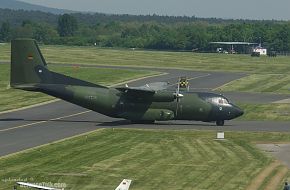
[13,99]
[273,173]
[154,159]
[268,83]
[185,60]
[266,112]
[286,178]
[5,52]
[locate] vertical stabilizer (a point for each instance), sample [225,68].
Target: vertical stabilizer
[28,66]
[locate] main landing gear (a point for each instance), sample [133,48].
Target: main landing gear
[220,123]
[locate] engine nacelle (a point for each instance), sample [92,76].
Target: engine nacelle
[161,96]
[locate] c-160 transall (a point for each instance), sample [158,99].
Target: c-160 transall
[145,104]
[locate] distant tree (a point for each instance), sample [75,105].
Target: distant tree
[23,32]
[44,33]
[5,32]
[26,22]
[67,25]
[150,31]
[284,36]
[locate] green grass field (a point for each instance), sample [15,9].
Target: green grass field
[268,83]
[13,99]
[185,60]
[5,52]
[265,112]
[154,159]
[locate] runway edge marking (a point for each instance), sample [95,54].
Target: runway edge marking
[220,87]
[53,142]
[31,106]
[39,122]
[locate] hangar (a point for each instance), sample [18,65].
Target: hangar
[231,46]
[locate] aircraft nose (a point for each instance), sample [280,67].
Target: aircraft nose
[239,112]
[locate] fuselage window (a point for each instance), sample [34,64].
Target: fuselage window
[218,101]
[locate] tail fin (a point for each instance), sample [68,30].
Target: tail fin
[29,70]
[28,66]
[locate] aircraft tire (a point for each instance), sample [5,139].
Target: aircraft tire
[220,123]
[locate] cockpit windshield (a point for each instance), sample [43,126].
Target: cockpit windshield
[218,100]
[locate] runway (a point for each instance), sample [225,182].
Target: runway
[36,126]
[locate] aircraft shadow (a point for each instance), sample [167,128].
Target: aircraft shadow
[12,119]
[59,120]
[120,123]
[160,124]
[115,123]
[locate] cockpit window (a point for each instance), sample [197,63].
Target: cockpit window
[218,100]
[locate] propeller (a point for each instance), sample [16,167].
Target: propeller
[177,95]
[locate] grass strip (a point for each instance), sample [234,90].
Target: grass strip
[154,159]
[142,58]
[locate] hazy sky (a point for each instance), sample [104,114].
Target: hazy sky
[252,9]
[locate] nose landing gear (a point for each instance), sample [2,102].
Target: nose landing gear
[220,123]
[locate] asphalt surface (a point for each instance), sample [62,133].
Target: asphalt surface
[279,151]
[36,126]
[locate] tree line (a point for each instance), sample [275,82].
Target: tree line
[149,32]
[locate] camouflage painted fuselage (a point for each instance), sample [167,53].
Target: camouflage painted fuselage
[114,103]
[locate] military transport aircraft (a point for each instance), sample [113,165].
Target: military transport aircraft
[145,104]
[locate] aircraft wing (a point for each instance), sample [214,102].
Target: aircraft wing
[35,186]
[156,86]
[124,185]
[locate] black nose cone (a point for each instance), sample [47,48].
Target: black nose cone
[239,112]
[236,112]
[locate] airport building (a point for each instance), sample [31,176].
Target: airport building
[260,50]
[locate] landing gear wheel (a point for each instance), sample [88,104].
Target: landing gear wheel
[220,123]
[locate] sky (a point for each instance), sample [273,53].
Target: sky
[236,9]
